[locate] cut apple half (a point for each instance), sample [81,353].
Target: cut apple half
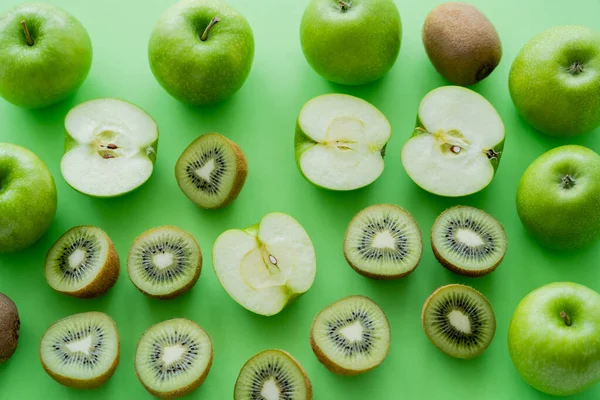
[340,141]
[110,147]
[457,143]
[266,265]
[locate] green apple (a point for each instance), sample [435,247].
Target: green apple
[456,146]
[27,198]
[201,51]
[45,54]
[351,42]
[267,265]
[555,81]
[553,338]
[558,197]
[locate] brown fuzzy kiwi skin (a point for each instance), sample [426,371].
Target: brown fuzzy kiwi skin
[189,285]
[330,364]
[462,44]
[10,325]
[307,383]
[382,277]
[85,384]
[183,391]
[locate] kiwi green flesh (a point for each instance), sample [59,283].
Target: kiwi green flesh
[272,375]
[9,328]
[81,350]
[164,262]
[351,336]
[468,241]
[459,321]
[173,358]
[383,242]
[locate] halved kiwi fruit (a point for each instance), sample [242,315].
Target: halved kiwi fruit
[211,171]
[459,321]
[468,241]
[164,262]
[351,336]
[81,351]
[82,263]
[173,358]
[383,241]
[10,324]
[272,375]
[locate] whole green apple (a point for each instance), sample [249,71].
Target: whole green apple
[555,81]
[558,197]
[554,338]
[27,198]
[351,42]
[45,54]
[201,51]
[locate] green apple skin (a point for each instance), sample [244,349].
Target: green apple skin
[201,72]
[354,46]
[551,356]
[27,198]
[50,70]
[562,217]
[550,97]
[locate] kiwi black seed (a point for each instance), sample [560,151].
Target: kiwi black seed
[81,351]
[173,358]
[462,44]
[468,241]
[9,328]
[82,263]
[351,336]
[211,171]
[383,241]
[164,262]
[459,321]
[272,374]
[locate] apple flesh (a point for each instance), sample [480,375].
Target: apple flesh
[553,338]
[457,143]
[267,265]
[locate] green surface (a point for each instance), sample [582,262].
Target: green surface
[261,119]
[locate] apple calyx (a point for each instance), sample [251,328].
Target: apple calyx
[567,182]
[492,154]
[565,318]
[576,68]
[344,6]
[28,37]
[212,23]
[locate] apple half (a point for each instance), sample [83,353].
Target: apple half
[457,143]
[340,141]
[267,265]
[110,147]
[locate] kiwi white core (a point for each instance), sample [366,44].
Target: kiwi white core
[460,321]
[270,391]
[468,237]
[353,332]
[163,260]
[384,240]
[76,258]
[172,354]
[83,345]
[205,171]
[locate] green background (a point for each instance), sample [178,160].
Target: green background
[261,118]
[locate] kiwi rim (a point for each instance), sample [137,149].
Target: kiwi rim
[331,365]
[472,273]
[476,293]
[381,277]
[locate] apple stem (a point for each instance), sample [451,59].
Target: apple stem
[343,5]
[566,318]
[212,23]
[576,68]
[30,41]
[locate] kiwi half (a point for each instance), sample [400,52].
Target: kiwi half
[351,336]
[459,321]
[272,375]
[211,171]
[82,263]
[173,358]
[164,262]
[468,241]
[383,241]
[81,351]
[10,324]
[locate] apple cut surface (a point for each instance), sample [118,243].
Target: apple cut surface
[340,141]
[456,146]
[267,265]
[110,147]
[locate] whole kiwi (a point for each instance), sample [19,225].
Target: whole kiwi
[461,43]
[9,328]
